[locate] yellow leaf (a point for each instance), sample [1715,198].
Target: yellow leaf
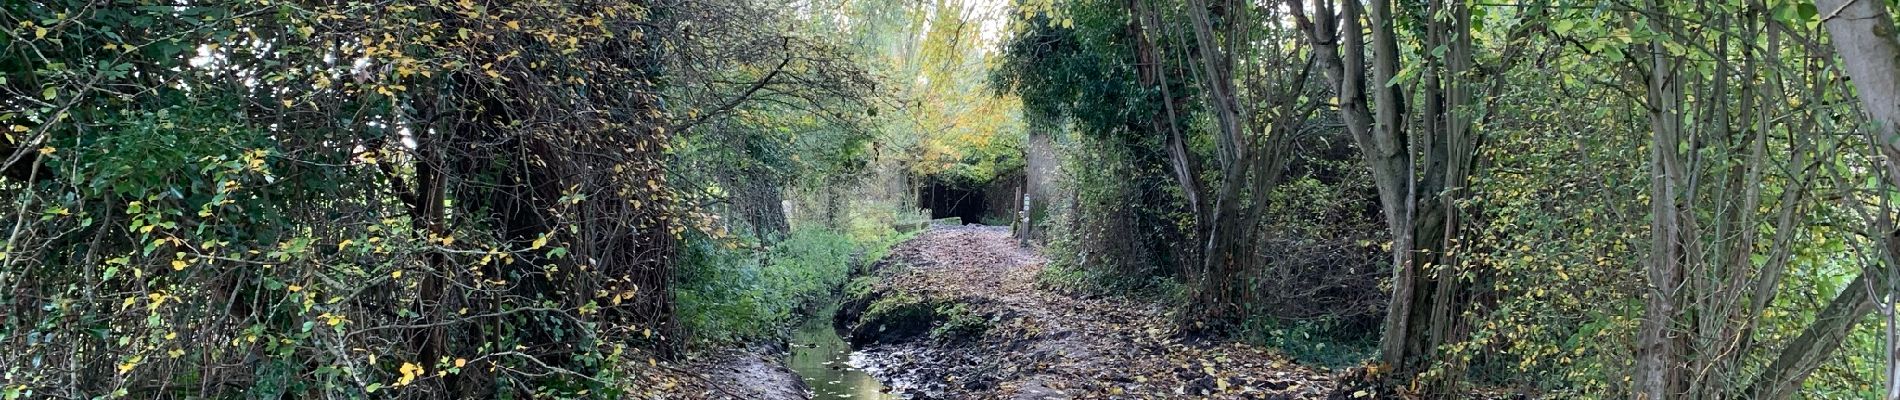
[295,288]
[48,150]
[344,244]
[39,32]
[459,362]
[158,299]
[179,265]
[397,274]
[538,242]
[409,373]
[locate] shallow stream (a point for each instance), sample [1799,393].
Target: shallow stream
[823,360]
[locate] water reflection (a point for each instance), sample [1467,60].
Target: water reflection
[822,358]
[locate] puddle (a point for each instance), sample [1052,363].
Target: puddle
[823,360]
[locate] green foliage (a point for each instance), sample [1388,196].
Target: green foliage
[721,295]
[1322,342]
[404,199]
[895,317]
[876,226]
[1165,290]
[959,323]
[1550,250]
[939,124]
[861,287]
[731,294]
[1079,70]
[1110,237]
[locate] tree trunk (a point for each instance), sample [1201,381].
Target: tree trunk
[1659,354]
[1782,379]
[1863,35]
[1380,136]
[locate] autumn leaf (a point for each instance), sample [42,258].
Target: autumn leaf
[409,373]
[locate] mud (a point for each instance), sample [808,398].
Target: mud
[1037,343]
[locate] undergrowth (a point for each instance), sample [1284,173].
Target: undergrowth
[1325,343]
[735,294]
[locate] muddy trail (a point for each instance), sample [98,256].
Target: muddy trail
[957,313]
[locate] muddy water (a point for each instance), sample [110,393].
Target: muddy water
[823,359]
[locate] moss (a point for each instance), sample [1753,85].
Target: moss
[894,318]
[860,288]
[874,314]
[959,323]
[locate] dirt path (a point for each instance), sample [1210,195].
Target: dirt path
[1038,343]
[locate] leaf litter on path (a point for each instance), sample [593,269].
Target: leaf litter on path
[1045,344]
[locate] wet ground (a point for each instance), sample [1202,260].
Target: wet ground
[1039,343]
[823,360]
[1016,340]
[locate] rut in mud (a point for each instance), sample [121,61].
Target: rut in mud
[958,314]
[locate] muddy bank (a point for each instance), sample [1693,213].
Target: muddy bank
[755,373]
[748,374]
[957,314]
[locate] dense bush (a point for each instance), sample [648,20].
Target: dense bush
[315,199]
[398,199]
[733,294]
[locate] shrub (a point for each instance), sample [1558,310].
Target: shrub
[735,293]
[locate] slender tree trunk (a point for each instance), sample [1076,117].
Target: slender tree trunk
[1782,379]
[1658,353]
[1863,35]
[1377,127]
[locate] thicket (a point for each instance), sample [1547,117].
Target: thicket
[736,296]
[1577,199]
[427,199]
[1124,202]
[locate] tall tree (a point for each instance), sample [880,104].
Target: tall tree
[1422,151]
